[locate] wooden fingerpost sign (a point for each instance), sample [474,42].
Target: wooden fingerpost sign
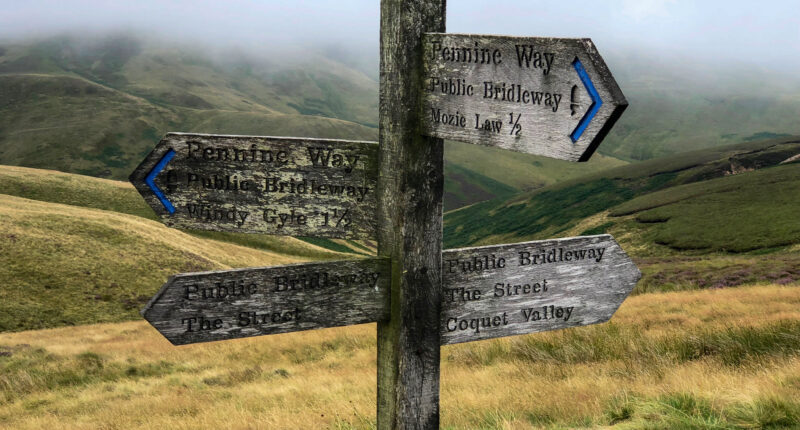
[230,304]
[546,96]
[254,184]
[539,95]
[505,290]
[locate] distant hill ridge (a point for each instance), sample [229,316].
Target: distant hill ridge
[95,106]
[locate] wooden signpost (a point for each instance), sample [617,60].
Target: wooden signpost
[553,97]
[201,307]
[539,95]
[520,288]
[271,185]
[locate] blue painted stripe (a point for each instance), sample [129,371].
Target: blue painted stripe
[596,101]
[151,177]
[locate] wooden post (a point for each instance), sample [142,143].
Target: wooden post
[410,222]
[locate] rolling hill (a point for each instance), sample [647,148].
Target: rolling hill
[712,218]
[95,106]
[77,249]
[555,209]
[476,173]
[680,104]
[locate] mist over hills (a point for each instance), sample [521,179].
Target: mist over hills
[95,105]
[678,104]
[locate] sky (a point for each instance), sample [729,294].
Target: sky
[765,33]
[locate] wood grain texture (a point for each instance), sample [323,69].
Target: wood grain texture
[270,185]
[410,213]
[531,106]
[208,306]
[529,287]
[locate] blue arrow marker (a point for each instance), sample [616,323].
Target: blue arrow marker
[151,177]
[596,101]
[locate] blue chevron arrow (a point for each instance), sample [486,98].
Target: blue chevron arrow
[151,177]
[596,101]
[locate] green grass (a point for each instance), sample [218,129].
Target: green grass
[555,209]
[749,211]
[67,265]
[96,107]
[518,170]
[681,104]
[463,187]
[75,190]
[681,410]
[93,105]
[28,370]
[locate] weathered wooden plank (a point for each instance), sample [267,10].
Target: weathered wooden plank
[505,290]
[230,304]
[538,95]
[254,184]
[410,214]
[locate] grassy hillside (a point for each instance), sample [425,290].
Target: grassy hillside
[683,104]
[77,250]
[117,196]
[552,210]
[722,359]
[759,210]
[96,107]
[68,265]
[475,173]
[707,219]
[674,215]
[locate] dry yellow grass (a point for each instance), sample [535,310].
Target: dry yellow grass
[66,265]
[39,220]
[326,378]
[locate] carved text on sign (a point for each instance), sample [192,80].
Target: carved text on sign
[201,307]
[528,287]
[251,184]
[545,96]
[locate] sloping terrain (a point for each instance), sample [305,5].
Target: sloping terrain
[475,173]
[680,104]
[66,265]
[557,208]
[96,107]
[77,250]
[706,219]
[77,190]
[680,217]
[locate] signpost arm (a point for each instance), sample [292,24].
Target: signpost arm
[410,222]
